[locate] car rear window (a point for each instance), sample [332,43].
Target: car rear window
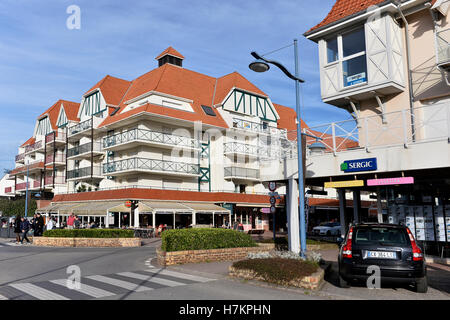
[380,235]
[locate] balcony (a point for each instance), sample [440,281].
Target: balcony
[241,173]
[256,128]
[35,166]
[37,146]
[35,185]
[80,128]
[85,173]
[58,160]
[58,138]
[84,151]
[165,167]
[254,151]
[22,186]
[20,158]
[443,49]
[58,180]
[134,137]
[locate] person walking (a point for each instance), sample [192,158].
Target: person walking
[70,221]
[25,227]
[77,222]
[39,225]
[17,229]
[50,224]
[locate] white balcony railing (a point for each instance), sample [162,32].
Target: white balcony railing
[143,164]
[257,127]
[80,127]
[443,46]
[244,173]
[405,127]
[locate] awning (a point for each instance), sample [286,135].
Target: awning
[209,208]
[253,205]
[99,208]
[46,209]
[163,207]
[64,208]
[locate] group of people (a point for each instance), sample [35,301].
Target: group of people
[22,227]
[74,222]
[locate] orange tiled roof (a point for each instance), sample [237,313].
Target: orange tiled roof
[29,142]
[170,51]
[112,89]
[345,8]
[227,82]
[71,109]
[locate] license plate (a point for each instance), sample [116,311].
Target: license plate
[381,255]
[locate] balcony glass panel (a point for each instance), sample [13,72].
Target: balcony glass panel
[354,71]
[85,125]
[241,172]
[83,172]
[332,50]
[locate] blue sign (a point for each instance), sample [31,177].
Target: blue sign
[359,165]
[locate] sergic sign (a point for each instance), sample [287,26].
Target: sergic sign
[359,165]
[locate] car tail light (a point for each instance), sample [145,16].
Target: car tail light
[347,249]
[417,253]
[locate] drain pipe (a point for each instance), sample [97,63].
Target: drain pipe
[408,62]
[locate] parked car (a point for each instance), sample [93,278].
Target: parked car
[390,247]
[328,229]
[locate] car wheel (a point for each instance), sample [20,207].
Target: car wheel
[343,283]
[422,285]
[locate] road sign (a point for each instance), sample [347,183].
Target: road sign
[272,186]
[273,209]
[274,194]
[273,200]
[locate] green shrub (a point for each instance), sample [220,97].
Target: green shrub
[204,239]
[89,233]
[278,270]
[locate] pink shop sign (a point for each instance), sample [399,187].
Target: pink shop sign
[390,181]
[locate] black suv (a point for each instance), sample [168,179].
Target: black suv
[390,247]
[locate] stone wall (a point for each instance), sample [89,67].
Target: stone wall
[198,256]
[86,242]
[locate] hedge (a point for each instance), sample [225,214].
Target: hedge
[89,233]
[204,239]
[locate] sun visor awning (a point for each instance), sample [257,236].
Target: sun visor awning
[98,208]
[119,208]
[65,208]
[206,207]
[163,207]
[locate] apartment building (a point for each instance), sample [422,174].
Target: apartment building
[387,63]
[185,148]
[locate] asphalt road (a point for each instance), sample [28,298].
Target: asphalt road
[32,273]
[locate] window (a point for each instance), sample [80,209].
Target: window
[332,51]
[354,65]
[349,49]
[209,111]
[44,127]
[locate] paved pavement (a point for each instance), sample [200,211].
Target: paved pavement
[32,273]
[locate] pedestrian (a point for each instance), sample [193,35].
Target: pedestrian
[17,229]
[70,221]
[39,225]
[25,227]
[77,223]
[50,224]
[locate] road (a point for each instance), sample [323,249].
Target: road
[33,273]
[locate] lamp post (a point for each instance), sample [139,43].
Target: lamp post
[262,65]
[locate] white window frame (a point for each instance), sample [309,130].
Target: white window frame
[341,59]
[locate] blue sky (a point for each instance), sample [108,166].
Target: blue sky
[41,60]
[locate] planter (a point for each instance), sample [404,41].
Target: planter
[212,255]
[86,242]
[313,282]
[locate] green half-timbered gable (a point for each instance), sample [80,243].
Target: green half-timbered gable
[92,105]
[44,127]
[62,119]
[253,105]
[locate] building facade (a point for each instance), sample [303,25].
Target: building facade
[184,147]
[387,64]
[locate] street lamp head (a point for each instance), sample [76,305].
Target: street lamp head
[259,66]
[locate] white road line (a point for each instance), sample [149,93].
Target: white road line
[179,275]
[157,280]
[37,292]
[3,297]
[86,289]
[119,283]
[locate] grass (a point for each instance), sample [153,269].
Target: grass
[278,270]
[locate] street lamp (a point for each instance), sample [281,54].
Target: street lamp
[262,65]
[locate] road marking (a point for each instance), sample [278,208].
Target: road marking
[119,283]
[179,275]
[37,292]
[3,297]
[157,280]
[86,289]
